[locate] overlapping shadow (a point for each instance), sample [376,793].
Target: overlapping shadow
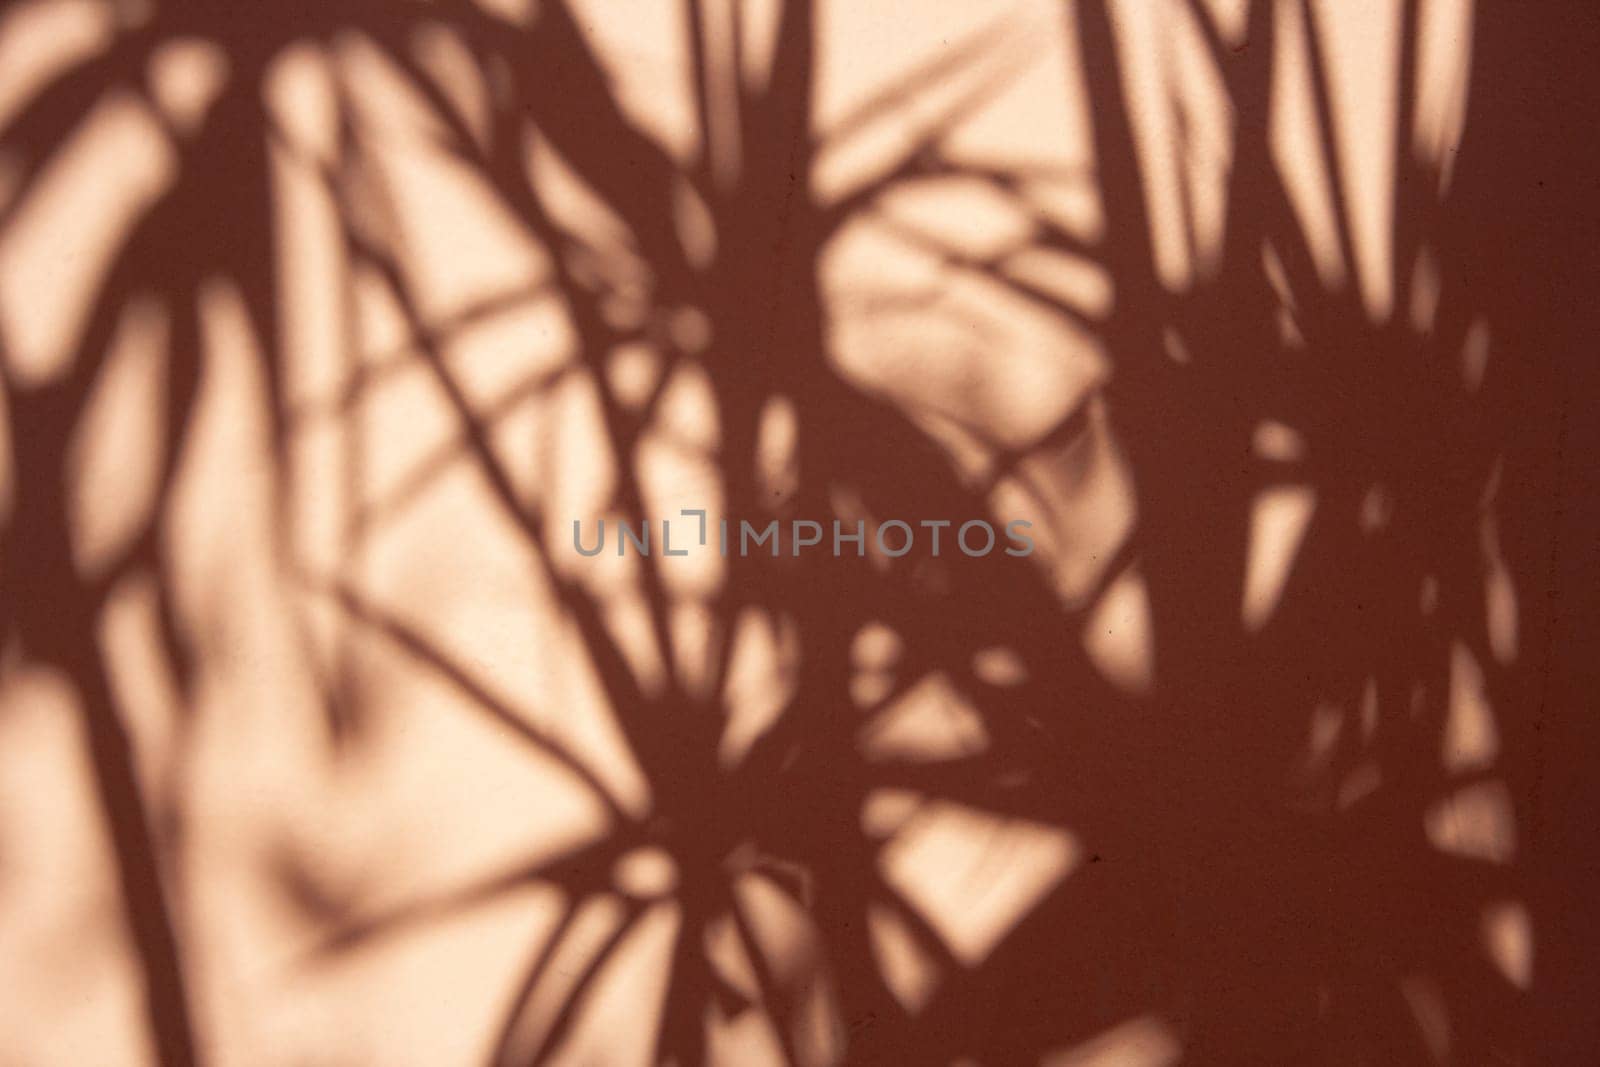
[1239,893]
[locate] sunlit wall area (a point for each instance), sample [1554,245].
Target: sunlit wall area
[792,532]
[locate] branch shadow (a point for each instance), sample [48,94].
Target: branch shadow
[1284,837]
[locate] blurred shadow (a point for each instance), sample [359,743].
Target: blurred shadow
[1263,756]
